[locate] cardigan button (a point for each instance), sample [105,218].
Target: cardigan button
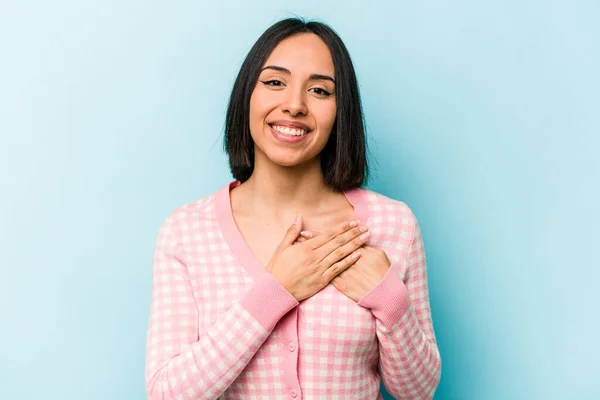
[291,346]
[293,393]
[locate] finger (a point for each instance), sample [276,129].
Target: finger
[342,245]
[310,234]
[306,234]
[338,283]
[300,239]
[340,266]
[328,235]
[292,233]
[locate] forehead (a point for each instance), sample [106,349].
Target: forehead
[302,53]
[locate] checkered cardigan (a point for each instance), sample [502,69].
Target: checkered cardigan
[220,327]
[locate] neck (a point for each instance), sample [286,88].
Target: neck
[283,192]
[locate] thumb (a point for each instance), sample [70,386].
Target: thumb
[293,232]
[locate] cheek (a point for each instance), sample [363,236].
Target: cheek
[258,112]
[326,113]
[255,107]
[261,103]
[325,116]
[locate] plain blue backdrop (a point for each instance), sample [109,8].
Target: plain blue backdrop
[482,116]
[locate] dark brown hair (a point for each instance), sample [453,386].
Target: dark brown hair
[344,158]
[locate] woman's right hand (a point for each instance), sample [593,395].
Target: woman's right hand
[307,267]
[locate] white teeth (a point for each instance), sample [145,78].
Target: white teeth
[289,131]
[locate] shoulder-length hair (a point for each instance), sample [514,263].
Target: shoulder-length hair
[344,158]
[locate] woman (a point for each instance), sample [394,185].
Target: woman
[245,305]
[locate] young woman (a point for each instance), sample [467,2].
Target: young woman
[245,306]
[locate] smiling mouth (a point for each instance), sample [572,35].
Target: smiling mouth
[284,130]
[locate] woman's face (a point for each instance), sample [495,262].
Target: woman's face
[293,107]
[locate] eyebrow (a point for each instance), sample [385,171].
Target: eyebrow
[287,71]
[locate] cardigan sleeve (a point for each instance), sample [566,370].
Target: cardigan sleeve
[409,358]
[183,363]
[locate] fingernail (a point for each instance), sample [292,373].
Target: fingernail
[364,236]
[298,219]
[353,224]
[363,228]
[306,234]
[355,255]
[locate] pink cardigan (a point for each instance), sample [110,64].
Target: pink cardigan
[222,328]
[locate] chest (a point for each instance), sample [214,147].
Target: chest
[262,241]
[263,236]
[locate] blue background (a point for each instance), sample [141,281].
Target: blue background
[484,118]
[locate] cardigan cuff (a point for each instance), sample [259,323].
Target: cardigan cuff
[389,300]
[267,301]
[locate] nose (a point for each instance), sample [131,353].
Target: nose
[295,103]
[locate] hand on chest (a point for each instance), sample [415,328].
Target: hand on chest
[263,236]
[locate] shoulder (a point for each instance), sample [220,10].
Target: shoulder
[191,215]
[197,210]
[389,218]
[382,207]
[188,226]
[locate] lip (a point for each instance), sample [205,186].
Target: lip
[287,138]
[291,124]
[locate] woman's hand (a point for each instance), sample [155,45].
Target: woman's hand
[366,273]
[305,268]
[361,277]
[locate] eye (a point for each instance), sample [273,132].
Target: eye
[321,92]
[273,82]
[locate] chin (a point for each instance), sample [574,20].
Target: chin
[287,161]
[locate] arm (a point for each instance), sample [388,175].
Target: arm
[180,362]
[410,361]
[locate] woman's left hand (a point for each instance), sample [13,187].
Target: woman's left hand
[362,277]
[366,273]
